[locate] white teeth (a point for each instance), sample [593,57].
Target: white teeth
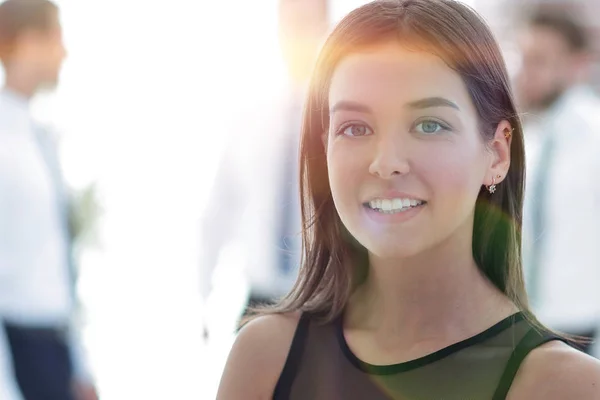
[393,205]
[386,205]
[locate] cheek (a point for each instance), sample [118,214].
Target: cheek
[454,173]
[341,169]
[346,172]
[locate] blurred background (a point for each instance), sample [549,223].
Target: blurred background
[150,96]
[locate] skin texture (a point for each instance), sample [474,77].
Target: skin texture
[37,59]
[396,151]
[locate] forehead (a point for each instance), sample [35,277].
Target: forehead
[52,26]
[55,20]
[394,72]
[55,30]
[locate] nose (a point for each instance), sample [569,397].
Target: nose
[390,158]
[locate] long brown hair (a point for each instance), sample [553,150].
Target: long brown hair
[333,263]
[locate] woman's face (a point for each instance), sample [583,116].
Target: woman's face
[405,157]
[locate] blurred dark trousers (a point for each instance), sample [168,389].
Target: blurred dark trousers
[41,362]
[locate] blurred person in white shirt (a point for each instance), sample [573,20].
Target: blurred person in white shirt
[41,357]
[254,208]
[562,200]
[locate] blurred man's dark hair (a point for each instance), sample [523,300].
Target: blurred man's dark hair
[563,23]
[21,16]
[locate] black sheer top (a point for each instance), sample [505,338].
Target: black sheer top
[321,366]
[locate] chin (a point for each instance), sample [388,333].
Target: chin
[398,253]
[394,248]
[48,86]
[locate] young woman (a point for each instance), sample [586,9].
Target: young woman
[412,180]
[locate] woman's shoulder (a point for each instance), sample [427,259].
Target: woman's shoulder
[556,370]
[258,357]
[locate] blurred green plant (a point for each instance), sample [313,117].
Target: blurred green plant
[84,214]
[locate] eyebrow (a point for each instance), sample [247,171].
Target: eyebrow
[346,105]
[429,102]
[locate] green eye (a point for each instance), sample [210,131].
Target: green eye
[429,127]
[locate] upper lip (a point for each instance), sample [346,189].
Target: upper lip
[392,194]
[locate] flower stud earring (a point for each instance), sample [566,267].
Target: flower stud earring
[492,187]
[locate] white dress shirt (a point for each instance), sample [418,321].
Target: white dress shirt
[34,250]
[567,288]
[245,207]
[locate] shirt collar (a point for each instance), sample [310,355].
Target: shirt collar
[14,111]
[16,99]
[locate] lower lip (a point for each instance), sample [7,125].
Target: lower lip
[396,217]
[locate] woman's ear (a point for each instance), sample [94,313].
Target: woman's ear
[500,151]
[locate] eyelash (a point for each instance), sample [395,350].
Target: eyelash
[443,127]
[347,125]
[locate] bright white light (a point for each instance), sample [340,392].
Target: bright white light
[144,103]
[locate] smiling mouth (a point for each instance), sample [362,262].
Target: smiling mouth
[393,206]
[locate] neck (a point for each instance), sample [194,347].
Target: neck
[20,83]
[441,293]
